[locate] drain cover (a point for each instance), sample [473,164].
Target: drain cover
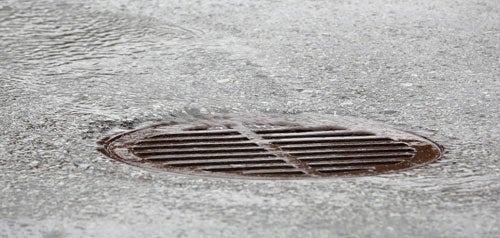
[270,148]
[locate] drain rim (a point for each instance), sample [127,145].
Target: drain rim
[107,145]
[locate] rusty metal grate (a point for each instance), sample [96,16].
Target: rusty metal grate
[269,150]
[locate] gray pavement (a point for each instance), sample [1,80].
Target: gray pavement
[72,72]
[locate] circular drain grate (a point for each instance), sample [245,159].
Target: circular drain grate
[271,149]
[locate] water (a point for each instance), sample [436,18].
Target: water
[72,72]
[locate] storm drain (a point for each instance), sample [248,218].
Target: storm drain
[270,149]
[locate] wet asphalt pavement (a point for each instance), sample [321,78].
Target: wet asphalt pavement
[72,72]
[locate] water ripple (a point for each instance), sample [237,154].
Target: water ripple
[57,39]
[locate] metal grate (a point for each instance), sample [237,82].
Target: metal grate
[268,150]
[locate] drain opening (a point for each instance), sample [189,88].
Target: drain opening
[269,150]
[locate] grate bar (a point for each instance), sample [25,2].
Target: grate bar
[347,144]
[274,171]
[346,168]
[330,140]
[198,151]
[209,156]
[239,167]
[355,162]
[197,145]
[223,161]
[297,129]
[350,151]
[192,139]
[316,134]
[356,156]
[197,133]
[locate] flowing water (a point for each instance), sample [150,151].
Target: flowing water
[72,72]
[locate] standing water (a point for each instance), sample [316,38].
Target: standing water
[73,72]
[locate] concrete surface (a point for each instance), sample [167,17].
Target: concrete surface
[73,71]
